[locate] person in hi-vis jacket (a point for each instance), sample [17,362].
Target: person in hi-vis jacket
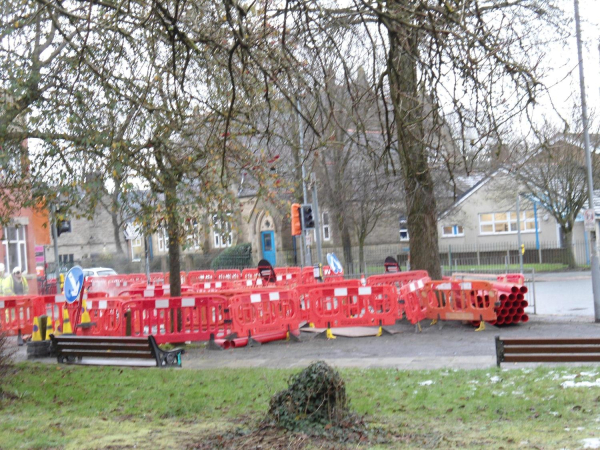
[15,284]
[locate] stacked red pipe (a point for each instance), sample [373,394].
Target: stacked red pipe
[511,295]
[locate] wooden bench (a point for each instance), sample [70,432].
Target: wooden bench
[547,350]
[71,349]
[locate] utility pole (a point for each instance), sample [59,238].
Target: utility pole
[55,241]
[519,231]
[315,200]
[588,157]
[305,236]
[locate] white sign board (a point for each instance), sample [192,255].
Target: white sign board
[589,219]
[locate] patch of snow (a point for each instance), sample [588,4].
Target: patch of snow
[426,383]
[569,384]
[591,443]
[495,379]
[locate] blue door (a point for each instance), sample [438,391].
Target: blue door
[267,239]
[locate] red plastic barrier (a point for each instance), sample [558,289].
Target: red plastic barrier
[227,275]
[249,274]
[305,300]
[16,313]
[410,295]
[308,276]
[290,279]
[353,306]
[212,286]
[200,276]
[179,319]
[398,280]
[512,278]
[264,316]
[459,300]
[108,316]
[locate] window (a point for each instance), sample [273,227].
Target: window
[66,262]
[326,232]
[163,239]
[452,231]
[15,248]
[193,237]
[136,249]
[506,222]
[404,230]
[222,231]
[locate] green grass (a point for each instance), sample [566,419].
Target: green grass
[54,406]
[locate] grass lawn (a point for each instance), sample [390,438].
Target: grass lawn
[74,407]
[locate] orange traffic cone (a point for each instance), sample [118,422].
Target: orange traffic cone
[36,334]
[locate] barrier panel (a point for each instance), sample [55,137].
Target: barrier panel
[228,275]
[398,280]
[288,279]
[249,274]
[200,276]
[110,284]
[108,316]
[180,319]
[137,278]
[157,278]
[212,286]
[305,300]
[353,306]
[513,278]
[16,313]
[182,278]
[329,276]
[410,295]
[264,316]
[459,300]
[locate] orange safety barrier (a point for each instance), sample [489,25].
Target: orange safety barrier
[110,284]
[137,278]
[212,286]
[228,275]
[182,277]
[459,300]
[200,276]
[353,306]
[264,316]
[410,295]
[308,276]
[16,314]
[513,278]
[305,301]
[108,316]
[249,274]
[288,278]
[179,319]
[397,280]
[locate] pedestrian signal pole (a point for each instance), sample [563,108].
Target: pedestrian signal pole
[305,234]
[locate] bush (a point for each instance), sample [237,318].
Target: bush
[5,362]
[314,401]
[238,257]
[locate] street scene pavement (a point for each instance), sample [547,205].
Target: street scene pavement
[564,307]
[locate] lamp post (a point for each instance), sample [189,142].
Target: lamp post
[588,157]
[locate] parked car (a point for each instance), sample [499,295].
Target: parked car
[98,272]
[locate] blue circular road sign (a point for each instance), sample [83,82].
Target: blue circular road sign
[334,263]
[73,284]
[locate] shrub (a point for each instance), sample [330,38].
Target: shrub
[238,257]
[315,400]
[5,362]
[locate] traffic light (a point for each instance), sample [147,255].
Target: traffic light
[296,221]
[308,221]
[63,226]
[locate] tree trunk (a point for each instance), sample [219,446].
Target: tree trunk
[346,240]
[408,114]
[173,233]
[114,216]
[361,254]
[571,263]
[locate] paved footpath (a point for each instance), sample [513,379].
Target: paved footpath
[452,345]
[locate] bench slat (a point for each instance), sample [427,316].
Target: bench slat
[552,358]
[103,346]
[550,341]
[92,354]
[93,339]
[565,349]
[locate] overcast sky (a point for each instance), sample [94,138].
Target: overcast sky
[563,76]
